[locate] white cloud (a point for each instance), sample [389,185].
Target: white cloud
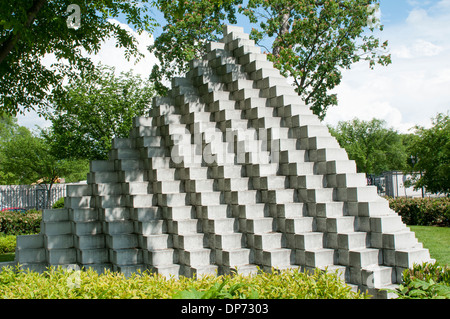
[414,88]
[425,48]
[419,48]
[443,5]
[366,98]
[417,16]
[32,121]
[113,56]
[110,55]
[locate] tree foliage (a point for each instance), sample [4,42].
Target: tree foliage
[31,29]
[27,158]
[374,147]
[431,151]
[8,129]
[190,24]
[312,41]
[93,108]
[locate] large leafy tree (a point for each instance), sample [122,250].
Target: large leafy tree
[30,29]
[310,41]
[27,158]
[431,156]
[93,108]
[374,147]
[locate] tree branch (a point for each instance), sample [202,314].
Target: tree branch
[12,40]
[338,43]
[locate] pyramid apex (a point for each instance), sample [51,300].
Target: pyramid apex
[227,29]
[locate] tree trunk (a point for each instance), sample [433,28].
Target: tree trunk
[12,40]
[284,28]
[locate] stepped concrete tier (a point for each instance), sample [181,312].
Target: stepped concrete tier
[230,172]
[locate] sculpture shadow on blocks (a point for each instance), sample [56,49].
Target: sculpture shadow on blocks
[231,171]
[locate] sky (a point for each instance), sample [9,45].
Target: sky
[416,86]
[408,92]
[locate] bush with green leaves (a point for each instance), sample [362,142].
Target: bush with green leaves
[88,284]
[7,243]
[219,290]
[427,271]
[16,223]
[58,204]
[425,281]
[422,211]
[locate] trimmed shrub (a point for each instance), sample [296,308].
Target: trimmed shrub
[15,223]
[64,284]
[422,211]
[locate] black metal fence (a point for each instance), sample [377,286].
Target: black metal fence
[30,196]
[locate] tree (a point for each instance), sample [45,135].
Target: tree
[31,29]
[93,108]
[315,40]
[312,40]
[190,24]
[374,147]
[431,154]
[8,129]
[28,159]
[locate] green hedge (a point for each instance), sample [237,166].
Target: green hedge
[63,284]
[422,211]
[15,223]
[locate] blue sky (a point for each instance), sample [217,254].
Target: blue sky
[394,11]
[410,91]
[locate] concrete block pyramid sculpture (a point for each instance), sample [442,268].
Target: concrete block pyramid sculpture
[231,171]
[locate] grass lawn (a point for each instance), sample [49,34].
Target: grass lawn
[437,240]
